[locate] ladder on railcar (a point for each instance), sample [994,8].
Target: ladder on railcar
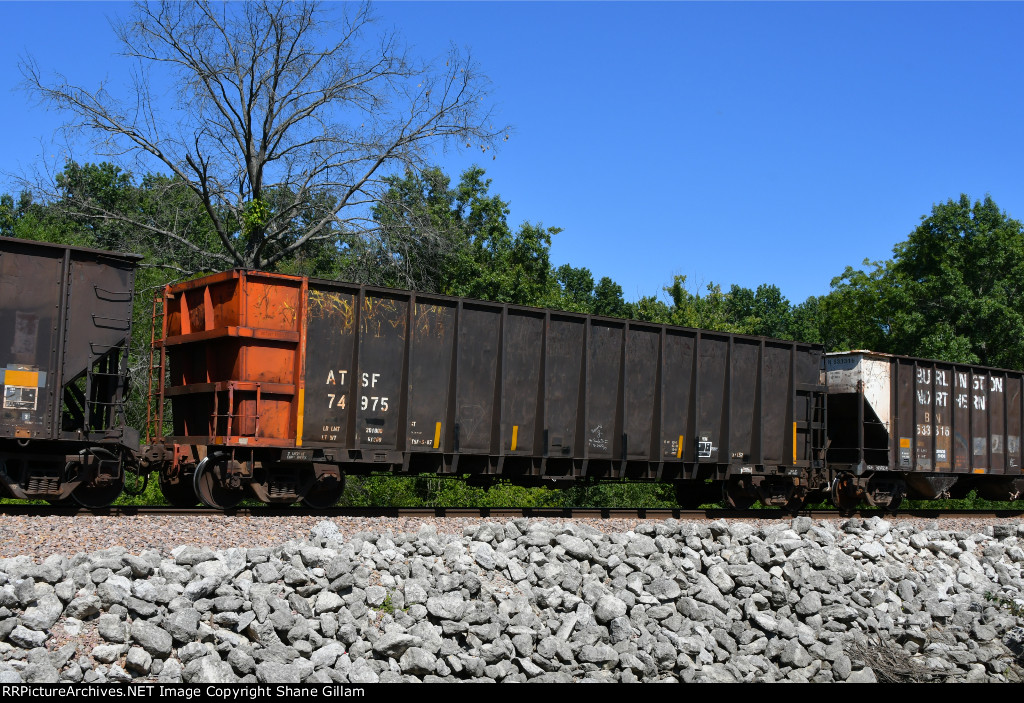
[158,364]
[819,428]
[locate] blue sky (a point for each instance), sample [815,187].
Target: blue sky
[749,142]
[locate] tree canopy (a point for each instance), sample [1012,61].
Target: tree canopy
[289,120]
[952,291]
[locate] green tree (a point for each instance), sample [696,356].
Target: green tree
[710,311]
[650,309]
[503,265]
[858,313]
[457,241]
[608,300]
[28,219]
[764,312]
[958,281]
[952,291]
[417,237]
[577,289]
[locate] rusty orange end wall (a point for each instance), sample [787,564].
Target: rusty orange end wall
[233,340]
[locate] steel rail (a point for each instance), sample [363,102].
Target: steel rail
[494,513]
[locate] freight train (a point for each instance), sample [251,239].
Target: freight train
[276,387]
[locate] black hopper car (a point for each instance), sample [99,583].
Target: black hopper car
[65,326]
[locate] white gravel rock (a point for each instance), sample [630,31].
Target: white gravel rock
[524,600]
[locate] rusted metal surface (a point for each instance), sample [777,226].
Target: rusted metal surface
[357,376]
[65,322]
[233,343]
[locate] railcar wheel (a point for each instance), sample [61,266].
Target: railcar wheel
[209,487]
[325,493]
[93,495]
[896,501]
[844,493]
[736,495]
[181,494]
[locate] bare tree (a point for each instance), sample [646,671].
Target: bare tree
[278,106]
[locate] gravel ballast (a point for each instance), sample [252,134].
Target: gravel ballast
[301,600]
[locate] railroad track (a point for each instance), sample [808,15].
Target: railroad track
[493,513]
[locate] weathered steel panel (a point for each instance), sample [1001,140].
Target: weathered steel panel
[775,398]
[99,311]
[383,329]
[643,346]
[604,390]
[477,377]
[997,422]
[678,379]
[430,373]
[65,318]
[744,385]
[712,372]
[522,382]
[329,371]
[961,420]
[31,296]
[940,423]
[1013,423]
[564,367]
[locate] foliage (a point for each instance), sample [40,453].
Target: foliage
[150,496]
[279,105]
[1015,608]
[958,280]
[456,241]
[628,494]
[762,312]
[951,292]
[28,219]
[608,300]
[387,606]
[969,502]
[577,289]
[431,491]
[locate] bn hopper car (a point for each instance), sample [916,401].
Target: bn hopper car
[280,385]
[65,325]
[923,428]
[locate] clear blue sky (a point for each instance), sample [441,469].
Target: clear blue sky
[730,142]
